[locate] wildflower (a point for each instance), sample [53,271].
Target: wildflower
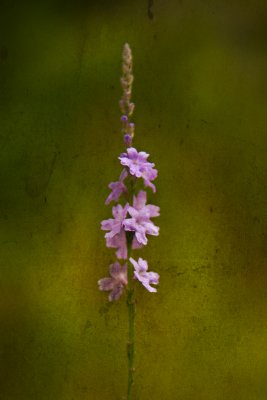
[139,166]
[117,188]
[118,242]
[115,225]
[130,223]
[116,283]
[139,203]
[140,222]
[142,227]
[116,238]
[145,277]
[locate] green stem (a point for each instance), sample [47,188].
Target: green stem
[131,349]
[131,337]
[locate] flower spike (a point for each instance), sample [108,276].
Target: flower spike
[132,223]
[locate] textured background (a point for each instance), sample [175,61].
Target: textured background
[201,99]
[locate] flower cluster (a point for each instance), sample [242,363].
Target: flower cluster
[131,222]
[139,166]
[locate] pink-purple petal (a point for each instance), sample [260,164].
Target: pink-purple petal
[117,188]
[146,278]
[105,284]
[151,229]
[141,237]
[123,175]
[136,244]
[154,211]
[139,201]
[116,283]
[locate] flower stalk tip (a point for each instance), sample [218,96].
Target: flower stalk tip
[126,106]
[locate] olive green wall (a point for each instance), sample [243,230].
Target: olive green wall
[200,94]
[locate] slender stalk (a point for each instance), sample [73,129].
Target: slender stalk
[127,108]
[131,335]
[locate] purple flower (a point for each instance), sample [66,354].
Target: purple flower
[146,278]
[141,226]
[115,225]
[116,283]
[118,242]
[140,222]
[149,175]
[117,188]
[139,166]
[116,238]
[139,203]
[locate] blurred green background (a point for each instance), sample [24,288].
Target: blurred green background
[201,100]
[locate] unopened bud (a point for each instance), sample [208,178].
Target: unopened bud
[124,84]
[126,68]
[127,140]
[122,105]
[124,120]
[127,54]
[127,95]
[130,79]
[131,108]
[131,127]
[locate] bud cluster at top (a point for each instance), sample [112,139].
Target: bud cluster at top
[126,106]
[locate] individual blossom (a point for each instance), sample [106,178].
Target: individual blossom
[115,225]
[140,222]
[139,203]
[139,166]
[116,283]
[146,278]
[148,210]
[119,242]
[116,237]
[141,225]
[117,188]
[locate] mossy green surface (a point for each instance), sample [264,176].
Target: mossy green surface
[200,94]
